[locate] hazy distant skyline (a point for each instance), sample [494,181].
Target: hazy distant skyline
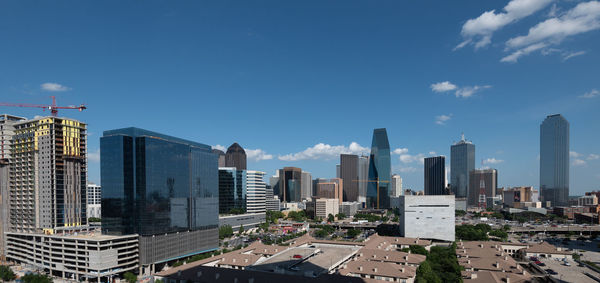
[296,84]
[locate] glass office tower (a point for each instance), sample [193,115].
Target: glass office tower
[554,160]
[232,190]
[379,171]
[434,175]
[462,162]
[163,188]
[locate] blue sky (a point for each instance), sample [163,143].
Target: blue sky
[299,82]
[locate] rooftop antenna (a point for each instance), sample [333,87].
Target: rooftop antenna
[462,136]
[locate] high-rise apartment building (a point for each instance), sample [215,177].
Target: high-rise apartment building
[482,178]
[363,176]
[554,160]
[290,184]
[397,185]
[4,205]
[48,169]
[378,186]
[435,175]
[163,188]
[256,191]
[306,183]
[235,157]
[7,130]
[349,174]
[94,201]
[232,190]
[462,162]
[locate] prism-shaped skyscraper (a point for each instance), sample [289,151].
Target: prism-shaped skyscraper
[378,188]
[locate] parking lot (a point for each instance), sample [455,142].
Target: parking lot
[572,273]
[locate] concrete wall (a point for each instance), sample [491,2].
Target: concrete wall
[249,220]
[429,217]
[167,247]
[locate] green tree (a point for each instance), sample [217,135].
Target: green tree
[130,277]
[340,216]
[6,274]
[158,281]
[94,219]
[416,249]
[352,233]
[264,226]
[241,229]
[425,274]
[321,233]
[36,278]
[225,231]
[330,217]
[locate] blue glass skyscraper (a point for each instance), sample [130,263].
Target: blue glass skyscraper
[163,188]
[554,160]
[462,162]
[378,189]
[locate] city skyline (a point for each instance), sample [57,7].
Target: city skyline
[431,90]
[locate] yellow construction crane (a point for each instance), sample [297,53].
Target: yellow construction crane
[373,181]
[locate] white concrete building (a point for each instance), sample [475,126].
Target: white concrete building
[255,192]
[94,199]
[326,206]
[306,185]
[397,186]
[427,216]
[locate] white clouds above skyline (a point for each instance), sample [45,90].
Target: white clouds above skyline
[442,119]
[463,92]
[584,17]
[325,151]
[492,161]
[251,154]
[479,31]
[591,94]
[400,150]
[54,87]
[94,156]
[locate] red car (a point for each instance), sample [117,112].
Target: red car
[297,256]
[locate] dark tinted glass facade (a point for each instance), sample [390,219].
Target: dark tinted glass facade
[232,189]
[554,160]
[435,175]
[156,184]
[462,161]
[349,173]
[290,184]
[379,171]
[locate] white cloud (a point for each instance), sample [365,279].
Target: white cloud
[514,57]
[479,31]
[593,157]
[54,87]
[400,151]
[257,155]
[582,18]
[570,55]
[492,161]
[591,94]
[468,91]
[574,154]
[94,156]
[407,169]
[464,92]
[443,86]
[579,162]
[432,153]
[325,151]
[220,147]
[442,119]
[407,158]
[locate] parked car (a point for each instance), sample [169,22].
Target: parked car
[540,263]
[533,258]
[550,271]
[297,256]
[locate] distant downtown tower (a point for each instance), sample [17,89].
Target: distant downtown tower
[462,162]
[554,160]
[378,188]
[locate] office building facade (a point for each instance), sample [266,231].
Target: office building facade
[397,185]
[306,183]
[221,156]
[363,176]
[378,186]
[256,192]
[94,201]
[427,217]
[554,160]
[232,190]
[290,184]
[332,189]
[462,162]
[435,175]
[486,178]
[164,188]
[235,157]
[349,174]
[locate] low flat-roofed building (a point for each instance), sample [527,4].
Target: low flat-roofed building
[568,211]
[248,220]
[390,243]
[480,257]
[587,200]
[495,277]
[350,208]
[379,271]
[81,256]
[391,256]
[545,250]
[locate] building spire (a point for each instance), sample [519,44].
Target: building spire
[462,136]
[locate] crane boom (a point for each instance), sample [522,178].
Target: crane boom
[52,107]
